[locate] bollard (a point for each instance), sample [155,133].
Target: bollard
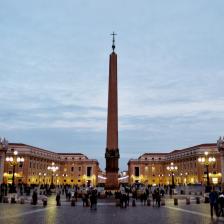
[73,202]
[148,202]
[22,201]
[5,199]
[13,200]
[44,200]
[187,201]
[163,202]
[206,199]
[175,201]
[197,200]
[133,203]
[118,204]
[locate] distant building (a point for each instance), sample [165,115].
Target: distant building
[151,168]
[73,168]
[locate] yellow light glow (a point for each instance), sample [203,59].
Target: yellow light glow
[214,180]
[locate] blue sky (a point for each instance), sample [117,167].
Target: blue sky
[54,59]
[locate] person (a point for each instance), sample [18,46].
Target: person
[158,197]
[153,197]
[58,199]
[34,197]
[76,195]
[213,196]
[93,199]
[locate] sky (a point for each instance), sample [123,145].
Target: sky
[54,68]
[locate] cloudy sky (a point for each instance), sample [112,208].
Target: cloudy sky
[54,59]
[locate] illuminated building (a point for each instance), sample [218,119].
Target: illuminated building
[151,168]
[73,168]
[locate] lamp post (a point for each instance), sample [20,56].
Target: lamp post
[171,168]
[53,169]
[56,179]
[160,175]
[3,150]
[64,176]
[13,161]
[44,177]
[39,177]
[220,146]
[207,160]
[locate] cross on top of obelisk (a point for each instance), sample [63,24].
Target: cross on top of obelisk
[113,41]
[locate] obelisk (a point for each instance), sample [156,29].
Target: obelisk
[112,151]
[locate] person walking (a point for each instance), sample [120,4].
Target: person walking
[213,196]
[58,199]
[34,197]
[158,197]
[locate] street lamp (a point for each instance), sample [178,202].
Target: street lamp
[64,175]
[53,169]
[39,178]
[171,168]
[13,161]
[44,177]
[160,175]
[206,160]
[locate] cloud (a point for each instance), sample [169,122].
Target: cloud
[54,73]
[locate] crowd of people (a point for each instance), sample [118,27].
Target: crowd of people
[90,195]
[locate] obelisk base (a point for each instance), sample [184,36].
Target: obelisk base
[112,181]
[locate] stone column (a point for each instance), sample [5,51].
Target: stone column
[112,150]
[3,149]
[220,146]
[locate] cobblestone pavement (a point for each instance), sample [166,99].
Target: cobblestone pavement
[106,213]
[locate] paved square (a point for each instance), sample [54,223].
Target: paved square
[106,212]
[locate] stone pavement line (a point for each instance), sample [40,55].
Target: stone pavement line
[26,213]
[194,213]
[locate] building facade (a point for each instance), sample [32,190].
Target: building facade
[73,168]
[151,168]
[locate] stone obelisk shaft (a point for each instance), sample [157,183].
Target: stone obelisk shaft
[112,117]
[112,151]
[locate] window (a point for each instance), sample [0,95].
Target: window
[72,169]
[137,171]
[79,168]
[89,171]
